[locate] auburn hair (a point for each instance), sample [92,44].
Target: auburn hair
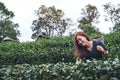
[79,50]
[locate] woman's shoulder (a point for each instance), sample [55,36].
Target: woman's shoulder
[97,42]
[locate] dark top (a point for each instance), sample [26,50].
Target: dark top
[95,53]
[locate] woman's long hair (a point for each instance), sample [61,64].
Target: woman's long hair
[79,50]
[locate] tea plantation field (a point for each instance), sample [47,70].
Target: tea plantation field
[53,59]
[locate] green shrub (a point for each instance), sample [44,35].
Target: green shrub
[112,41]
[52,50]
[91,70]
[52,59]
[44,51]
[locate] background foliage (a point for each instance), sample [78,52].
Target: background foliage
[50,50]
[7,27]
[52,59]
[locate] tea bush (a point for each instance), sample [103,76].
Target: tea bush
[52,50]
[91,70]
[44,51]
[52,59]
[112,41]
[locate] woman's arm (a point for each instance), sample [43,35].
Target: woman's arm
[100,48]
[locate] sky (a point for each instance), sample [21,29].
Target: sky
[24,11]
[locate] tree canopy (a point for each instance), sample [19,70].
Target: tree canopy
[89,14]
[113,14]
[7,27]
[51,21]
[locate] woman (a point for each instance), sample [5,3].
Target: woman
[88,48]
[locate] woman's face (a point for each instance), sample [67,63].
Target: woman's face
[81,40]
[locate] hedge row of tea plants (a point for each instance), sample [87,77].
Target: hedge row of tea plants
[91,70]
[112,41]
[52,50]
[43,51]
[52,59]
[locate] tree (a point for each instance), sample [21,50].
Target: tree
[50,21]
[89,14]
[116,28]
[88,28]
[7,27]
[113,14]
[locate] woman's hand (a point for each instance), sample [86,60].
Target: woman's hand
[106,53]
[78,60]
